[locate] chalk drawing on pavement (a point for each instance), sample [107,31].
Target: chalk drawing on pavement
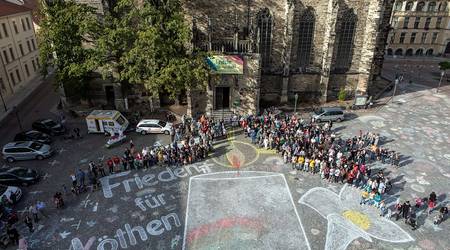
[348,221]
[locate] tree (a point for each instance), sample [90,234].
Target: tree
[160,58]
[64,36]
[445,65]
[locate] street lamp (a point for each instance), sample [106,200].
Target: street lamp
[440,81]
[16,112]
[395,89]
[295,105]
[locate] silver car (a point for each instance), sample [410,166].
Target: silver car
[328,114]
[26,150]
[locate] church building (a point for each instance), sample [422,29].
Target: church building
[265,52]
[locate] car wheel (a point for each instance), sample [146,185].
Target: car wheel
[143,132]
[166,132]
[39,157]
[10,159]
[339,120]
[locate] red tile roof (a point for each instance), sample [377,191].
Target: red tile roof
[7,8]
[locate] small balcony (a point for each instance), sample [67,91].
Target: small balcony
[226,45]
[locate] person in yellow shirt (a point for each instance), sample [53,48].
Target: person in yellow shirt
[312,163]
[300,162]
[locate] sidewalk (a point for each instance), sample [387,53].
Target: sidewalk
[20,96]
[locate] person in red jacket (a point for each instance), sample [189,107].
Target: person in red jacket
[110,165]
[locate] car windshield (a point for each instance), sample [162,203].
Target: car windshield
[22,172]
[33,133]
[318,111]
[162,124]
[120,120]
[3,189]
[36,146]
[49,123]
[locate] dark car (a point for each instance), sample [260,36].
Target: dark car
[18,176]
[49,126]
[33,135]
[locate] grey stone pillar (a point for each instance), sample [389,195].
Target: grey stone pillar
[328,47]
[287,45]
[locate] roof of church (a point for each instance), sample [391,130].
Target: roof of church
[7,8]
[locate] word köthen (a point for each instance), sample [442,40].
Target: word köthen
[127,237]
[149,180]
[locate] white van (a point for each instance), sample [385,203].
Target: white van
[106,121]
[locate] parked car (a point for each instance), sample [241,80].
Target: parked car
[153,127]
[33,135]
[18,176]
[49,126]
[26,150]
[7,191]
[328,114]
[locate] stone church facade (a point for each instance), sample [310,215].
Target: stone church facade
[312,48]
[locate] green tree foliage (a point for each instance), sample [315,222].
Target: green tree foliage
[64,37]
[342,95]
[159,58]
[444,65]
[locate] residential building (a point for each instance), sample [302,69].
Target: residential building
[420,28]
[18,48]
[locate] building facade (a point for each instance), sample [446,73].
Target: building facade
[420,28]
[19,61]
[312,48]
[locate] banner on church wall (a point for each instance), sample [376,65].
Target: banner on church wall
[226,65]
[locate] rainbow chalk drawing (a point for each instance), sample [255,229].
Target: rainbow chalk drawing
[242,210]
[347,220]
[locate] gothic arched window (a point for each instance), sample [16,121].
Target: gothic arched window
[306,38]
[409,5]
[420,6]
[398,5]
[432,7]
[265,37]
[346,33]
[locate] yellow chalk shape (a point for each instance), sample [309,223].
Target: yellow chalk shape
[357,218]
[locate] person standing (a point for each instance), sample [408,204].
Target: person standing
[432,202]
[80,177]
[34,212]
[40,206]
[13,234]
[29,222]
[405,209]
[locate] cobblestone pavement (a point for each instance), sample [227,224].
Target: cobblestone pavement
[248,198]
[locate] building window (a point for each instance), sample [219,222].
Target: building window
[28,23]
[23,25]
[21,49]
[37,62]
[438,22]
[306,38]
[398,6]
[402,37]
[12,54]
[420,6]
[345,41]
[15,27]
[416,23]
[27,70]
[392,38]
[34,65]
[413,37]
[11,77]
[2,84]
[427,23]
[434,37]
[5,55]
[18,75]
[406,22]
[395,22]
[34,45]
[432,7]
[265,36]
[424,37]
[5,30]
[29,45]
[409,6]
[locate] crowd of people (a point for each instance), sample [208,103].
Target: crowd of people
[315,148]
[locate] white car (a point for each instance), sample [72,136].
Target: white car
[6,191]
[153,127]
